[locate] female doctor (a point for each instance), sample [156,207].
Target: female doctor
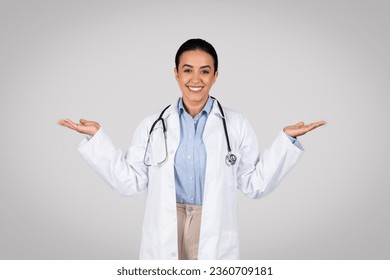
[192,159]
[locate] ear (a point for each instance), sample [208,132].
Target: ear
[176,74]
[215,77]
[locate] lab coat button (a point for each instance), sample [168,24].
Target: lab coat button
[173,254]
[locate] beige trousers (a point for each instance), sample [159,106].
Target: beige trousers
[188,230]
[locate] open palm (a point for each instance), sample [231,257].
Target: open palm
[84,127]
[301,128]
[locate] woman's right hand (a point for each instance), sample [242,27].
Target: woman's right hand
[84,127]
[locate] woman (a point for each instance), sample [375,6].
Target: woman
[192,172]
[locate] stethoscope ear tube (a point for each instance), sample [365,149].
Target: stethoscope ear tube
[165,137]
[159,119]
[230,157]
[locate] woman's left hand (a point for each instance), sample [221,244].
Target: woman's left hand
[301,128]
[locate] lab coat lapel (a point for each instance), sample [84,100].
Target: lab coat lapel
[213,138]
[172,123]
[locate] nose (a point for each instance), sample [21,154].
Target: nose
[195,78]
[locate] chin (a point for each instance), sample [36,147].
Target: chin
[196,96]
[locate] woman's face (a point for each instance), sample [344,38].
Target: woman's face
[195,75]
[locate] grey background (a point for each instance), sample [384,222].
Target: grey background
[112,61]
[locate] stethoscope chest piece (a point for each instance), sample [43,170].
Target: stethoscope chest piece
[230,159]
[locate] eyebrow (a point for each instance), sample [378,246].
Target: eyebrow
[202,67]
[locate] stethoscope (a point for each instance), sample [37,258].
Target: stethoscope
[230,158]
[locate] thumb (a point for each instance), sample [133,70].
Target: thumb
[86,122]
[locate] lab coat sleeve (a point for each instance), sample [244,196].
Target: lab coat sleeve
[257,175]
[126,174]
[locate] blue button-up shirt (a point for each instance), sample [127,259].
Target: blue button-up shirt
[191,157]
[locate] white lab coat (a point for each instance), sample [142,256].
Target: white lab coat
[255,176]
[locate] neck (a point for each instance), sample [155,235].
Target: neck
[194,108]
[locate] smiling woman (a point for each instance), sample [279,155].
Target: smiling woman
[196,75]
[192,194]
[196,71]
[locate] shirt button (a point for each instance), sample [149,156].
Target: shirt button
[190,209]
[191,178]
[189,156]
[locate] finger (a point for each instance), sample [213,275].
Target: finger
[312,126]
[69,124]
[317,124]
[321,123]
[83,121]
[63,122]
[86,122]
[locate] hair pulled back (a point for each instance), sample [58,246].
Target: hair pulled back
[197,44]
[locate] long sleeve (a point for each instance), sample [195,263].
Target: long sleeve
[295,141]
[126,174]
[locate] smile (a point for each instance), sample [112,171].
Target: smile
[195,88]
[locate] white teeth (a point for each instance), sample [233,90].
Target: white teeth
[195,88]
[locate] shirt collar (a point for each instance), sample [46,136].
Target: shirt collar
[206,109]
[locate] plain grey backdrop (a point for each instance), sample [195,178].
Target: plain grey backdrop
[112,61]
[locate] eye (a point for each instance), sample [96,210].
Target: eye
[205,72]
[187,70]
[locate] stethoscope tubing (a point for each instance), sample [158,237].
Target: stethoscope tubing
[230,157]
